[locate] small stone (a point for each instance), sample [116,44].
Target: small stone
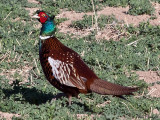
[155,111]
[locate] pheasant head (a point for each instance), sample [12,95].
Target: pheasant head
[48,26]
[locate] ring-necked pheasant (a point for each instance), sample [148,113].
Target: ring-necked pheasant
[65,69]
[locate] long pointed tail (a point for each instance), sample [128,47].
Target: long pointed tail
[106,88]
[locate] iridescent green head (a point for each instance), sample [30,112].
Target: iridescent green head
[48,25]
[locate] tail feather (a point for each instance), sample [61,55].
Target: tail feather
[106,88]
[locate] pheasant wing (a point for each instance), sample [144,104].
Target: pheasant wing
[66,74]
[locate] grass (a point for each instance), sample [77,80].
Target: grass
[33,99]
[89,21]
[137,7]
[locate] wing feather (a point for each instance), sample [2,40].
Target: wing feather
[66,74]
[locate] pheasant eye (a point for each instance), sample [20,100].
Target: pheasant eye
[43,15]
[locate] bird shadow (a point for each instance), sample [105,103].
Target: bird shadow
[30,95]
[86,107]
[35,96]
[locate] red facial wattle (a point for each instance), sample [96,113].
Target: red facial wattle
[43,17]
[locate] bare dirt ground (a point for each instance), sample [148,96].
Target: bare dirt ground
[33,1]
[119,12]
[107,33]
[8,116]
[151,77]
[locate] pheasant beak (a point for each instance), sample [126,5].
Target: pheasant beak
[35,16]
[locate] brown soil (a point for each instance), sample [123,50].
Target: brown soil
[119,12]
[8,116]
[32,10]
[151,77]
[72,16]
[108,33]
[33,1]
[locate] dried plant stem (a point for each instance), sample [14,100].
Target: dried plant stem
[134,42]
[18,42]
[37,67]
[98,63]
[126,106]
[96,24]
[151,91]
[7,15]
[92,20]
[148,60]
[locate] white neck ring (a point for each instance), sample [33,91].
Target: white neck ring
[45,37]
